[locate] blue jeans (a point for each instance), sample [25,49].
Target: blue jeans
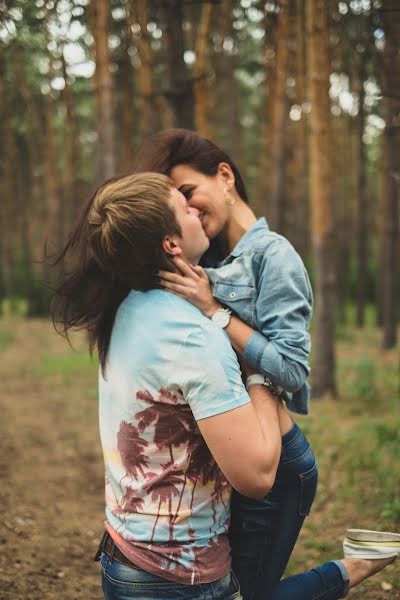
[263,532]
[120,582]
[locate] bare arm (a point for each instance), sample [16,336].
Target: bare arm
[246,442]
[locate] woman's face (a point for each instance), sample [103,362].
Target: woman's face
[206,194]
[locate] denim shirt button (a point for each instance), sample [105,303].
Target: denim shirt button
[232,295]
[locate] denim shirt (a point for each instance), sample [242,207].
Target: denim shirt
[265,283]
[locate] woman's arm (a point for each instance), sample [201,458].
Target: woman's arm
[280,350]
[194,286]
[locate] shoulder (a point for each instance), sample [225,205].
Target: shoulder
[275,253]
[167,315]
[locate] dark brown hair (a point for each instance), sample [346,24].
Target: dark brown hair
[166,149]
[115,246]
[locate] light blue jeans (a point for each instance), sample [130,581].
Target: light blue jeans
[120,582]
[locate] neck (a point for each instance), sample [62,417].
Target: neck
[241,220]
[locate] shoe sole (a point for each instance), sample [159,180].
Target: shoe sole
[368,544]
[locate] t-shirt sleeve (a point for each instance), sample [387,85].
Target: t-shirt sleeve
[211,378]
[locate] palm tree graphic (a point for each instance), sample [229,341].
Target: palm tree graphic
[173,426]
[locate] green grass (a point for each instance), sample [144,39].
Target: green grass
[67,365]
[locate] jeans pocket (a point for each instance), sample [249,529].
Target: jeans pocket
[308,489]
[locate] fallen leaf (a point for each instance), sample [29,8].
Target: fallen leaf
[386,586]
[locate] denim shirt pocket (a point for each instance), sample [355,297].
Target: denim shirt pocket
[239,298]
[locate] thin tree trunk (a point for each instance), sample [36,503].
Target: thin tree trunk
[126,83]
[99,16]
[391,141]
[199,72]
[362,204]
[321,180]
[7,160]
[179,92]
[279,121]
[262,195]
[302,209]
[71,180]
[149,121]
[228,89]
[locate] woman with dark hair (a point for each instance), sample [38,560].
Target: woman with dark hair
[256,285]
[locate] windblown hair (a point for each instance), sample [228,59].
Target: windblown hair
[166,149]
[115,246]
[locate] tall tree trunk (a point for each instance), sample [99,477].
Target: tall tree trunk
[263,183]
[279,120]
[179,92]
[391,94]
[32,209]
[302,210]
[7,160]
[362,204]
[199,72]
[149,120]
[126,85]
[321,180]
[231,134]
[51,172]
[99,17]
[71,177]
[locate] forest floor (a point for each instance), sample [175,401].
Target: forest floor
[51,470]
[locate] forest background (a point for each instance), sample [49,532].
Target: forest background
[305,96]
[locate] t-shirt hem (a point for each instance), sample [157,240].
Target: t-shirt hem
[139,559]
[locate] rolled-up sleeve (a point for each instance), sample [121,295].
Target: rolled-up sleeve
[281,346]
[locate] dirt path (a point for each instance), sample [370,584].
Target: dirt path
[51,472]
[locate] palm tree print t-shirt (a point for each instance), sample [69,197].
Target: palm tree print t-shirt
[167,502]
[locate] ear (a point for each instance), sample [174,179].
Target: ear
[225,171]
[171,245]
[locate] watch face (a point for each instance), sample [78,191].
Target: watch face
[221,318]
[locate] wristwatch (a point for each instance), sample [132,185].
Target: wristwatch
[259,379]
[221,317]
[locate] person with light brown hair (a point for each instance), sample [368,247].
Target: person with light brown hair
[178,428]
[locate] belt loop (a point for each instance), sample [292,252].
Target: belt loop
[101,547]
[112,552]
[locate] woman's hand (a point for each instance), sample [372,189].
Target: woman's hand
[192,284]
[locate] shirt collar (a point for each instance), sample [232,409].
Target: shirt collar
[247,241]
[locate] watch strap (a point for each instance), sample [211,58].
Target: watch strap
[258,379]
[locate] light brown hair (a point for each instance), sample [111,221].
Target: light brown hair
[116,246]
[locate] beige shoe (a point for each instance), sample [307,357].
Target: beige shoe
[363,543]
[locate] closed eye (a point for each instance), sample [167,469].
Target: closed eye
[186,191]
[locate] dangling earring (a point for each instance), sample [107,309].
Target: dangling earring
[229,199]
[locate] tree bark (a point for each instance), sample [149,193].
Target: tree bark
[200,73]
[126,85]
[71,179]
[179,92]
[279,121]
[99,16]
[302,209]
[263,183]
[391,141]
[321,180]
[149,119]
[362,203]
